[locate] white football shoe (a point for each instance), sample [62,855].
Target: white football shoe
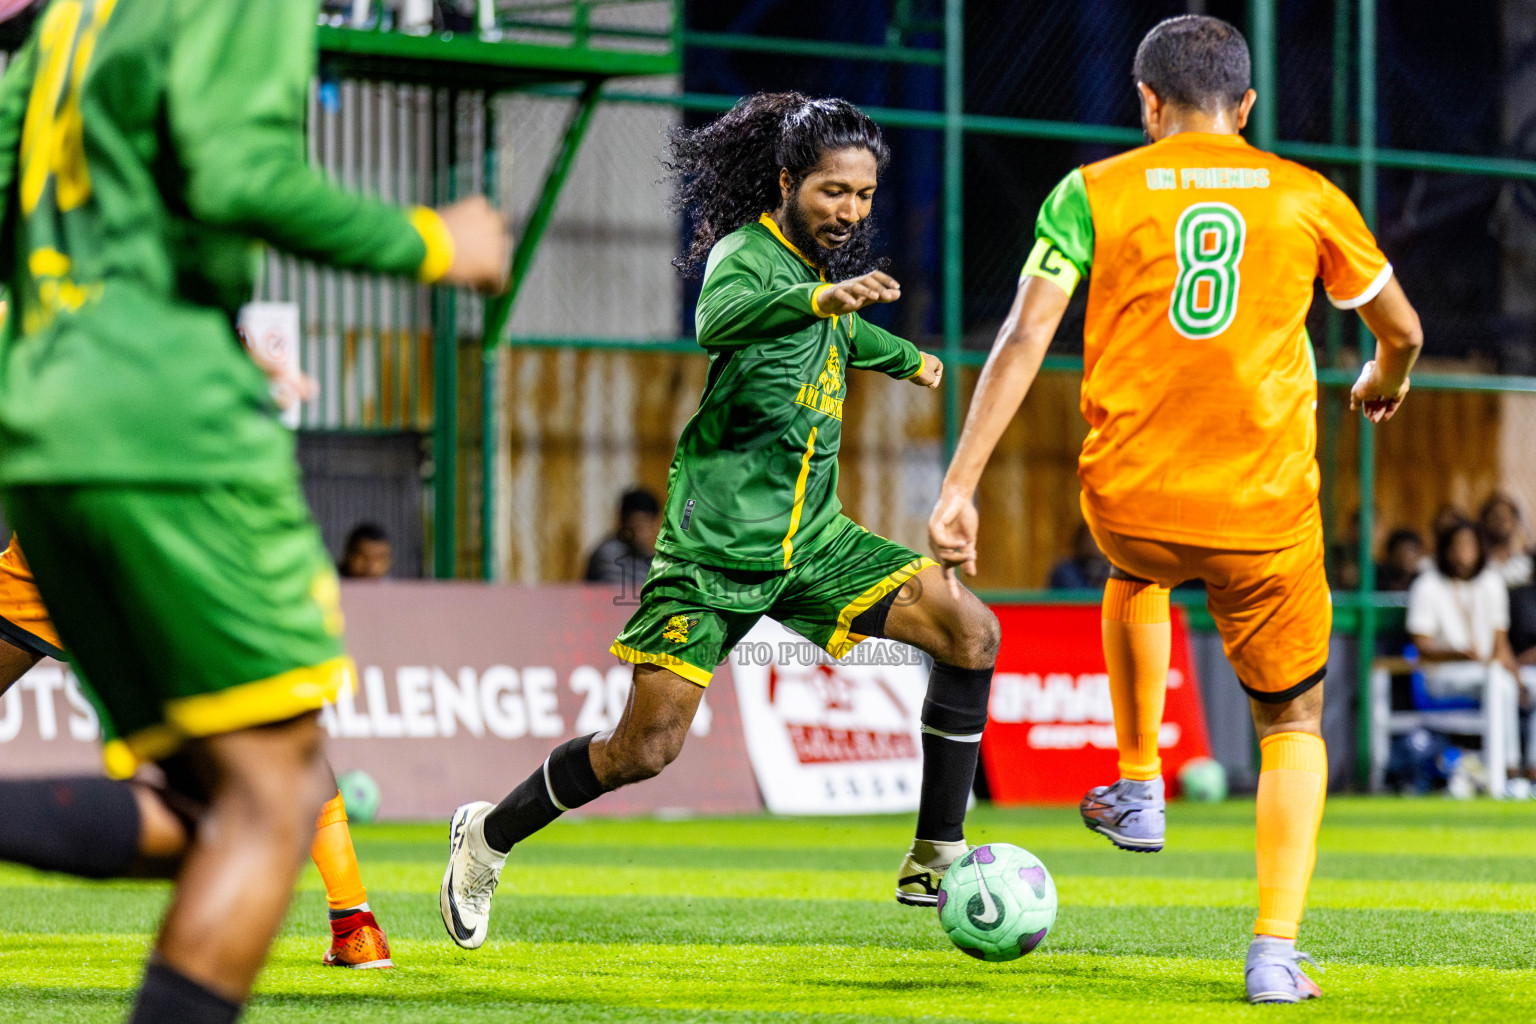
[470,881]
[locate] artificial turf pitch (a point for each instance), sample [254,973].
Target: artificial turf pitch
[1420,910]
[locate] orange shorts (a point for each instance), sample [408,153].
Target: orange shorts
[24,621]
[1272,608]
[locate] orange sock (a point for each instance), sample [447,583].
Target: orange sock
[1137,638]
[1293,782]
[333,855]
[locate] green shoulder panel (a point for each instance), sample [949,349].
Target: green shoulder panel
[1063,251]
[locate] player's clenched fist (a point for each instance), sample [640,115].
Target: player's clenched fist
[854,294]
[931,373]
[482,245]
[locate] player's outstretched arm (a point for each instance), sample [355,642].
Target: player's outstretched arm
[236,101]
[1005,380]
[1383,382]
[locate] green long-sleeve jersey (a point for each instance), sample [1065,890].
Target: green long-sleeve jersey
[146,148]
[754,482]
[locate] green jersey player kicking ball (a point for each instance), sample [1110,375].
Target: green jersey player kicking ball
[779,190]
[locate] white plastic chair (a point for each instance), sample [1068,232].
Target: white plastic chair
[1496,720]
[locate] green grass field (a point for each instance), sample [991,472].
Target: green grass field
[1420,910]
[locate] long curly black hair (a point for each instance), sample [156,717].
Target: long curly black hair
[726,173]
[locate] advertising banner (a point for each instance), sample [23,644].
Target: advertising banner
[463,690]
[831,737]
[1050,732]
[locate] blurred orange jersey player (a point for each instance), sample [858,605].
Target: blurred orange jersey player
[1200,462]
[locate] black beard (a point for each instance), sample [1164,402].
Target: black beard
[851,259]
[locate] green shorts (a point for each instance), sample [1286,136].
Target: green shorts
[691,615]
[188,610]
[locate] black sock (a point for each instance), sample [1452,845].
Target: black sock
[167,995]
[954,715]
[82,826]
[563,782]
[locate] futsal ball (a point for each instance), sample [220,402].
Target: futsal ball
[997,902]
[361,795]
[1203,780]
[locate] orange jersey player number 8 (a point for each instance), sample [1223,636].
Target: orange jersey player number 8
[1208,243]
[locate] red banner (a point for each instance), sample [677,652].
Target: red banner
[1050,732]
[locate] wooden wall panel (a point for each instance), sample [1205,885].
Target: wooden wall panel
[1443,447]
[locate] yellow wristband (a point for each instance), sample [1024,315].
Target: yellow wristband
[438,241]
[815,305]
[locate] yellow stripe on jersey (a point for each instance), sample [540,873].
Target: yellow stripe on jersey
[794,515]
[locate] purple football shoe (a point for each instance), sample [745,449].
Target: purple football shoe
[1129,814]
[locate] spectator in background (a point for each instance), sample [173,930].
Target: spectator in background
[1086,569]
[625,557]
[1458,618]
[1405,550]
[1446,516]
[367,555]
[1504,537]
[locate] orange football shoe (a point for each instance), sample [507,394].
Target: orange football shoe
[357,941]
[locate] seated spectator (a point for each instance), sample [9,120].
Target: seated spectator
[625,557]
[1446,516]
[1458,617]
[367,555]
[1505,540]
[1086,569]
[1405,549]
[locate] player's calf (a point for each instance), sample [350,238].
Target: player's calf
[962,635]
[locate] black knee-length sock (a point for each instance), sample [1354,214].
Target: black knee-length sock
[954,716]
[562,783]
[85,826]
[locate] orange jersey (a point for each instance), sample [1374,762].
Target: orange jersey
[1199,385]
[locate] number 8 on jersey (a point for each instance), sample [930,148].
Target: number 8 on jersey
[1208,244]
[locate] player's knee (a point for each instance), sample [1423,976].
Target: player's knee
[647,757]
[974,637]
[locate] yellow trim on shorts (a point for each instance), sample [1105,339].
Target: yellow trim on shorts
[670,662]
[121,758]
[261,702]
[246,706]
[841,641]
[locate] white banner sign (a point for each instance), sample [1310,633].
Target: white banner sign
[829,737]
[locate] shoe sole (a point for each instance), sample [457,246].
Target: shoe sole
[1274,997]
[916,899]
[444,905]
[371,965]
[1124,842]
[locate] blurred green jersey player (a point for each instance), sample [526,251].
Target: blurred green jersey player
[779,190]
[146,146]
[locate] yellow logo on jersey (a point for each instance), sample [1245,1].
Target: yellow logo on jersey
[677,629]
[831,380]
[822,396]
